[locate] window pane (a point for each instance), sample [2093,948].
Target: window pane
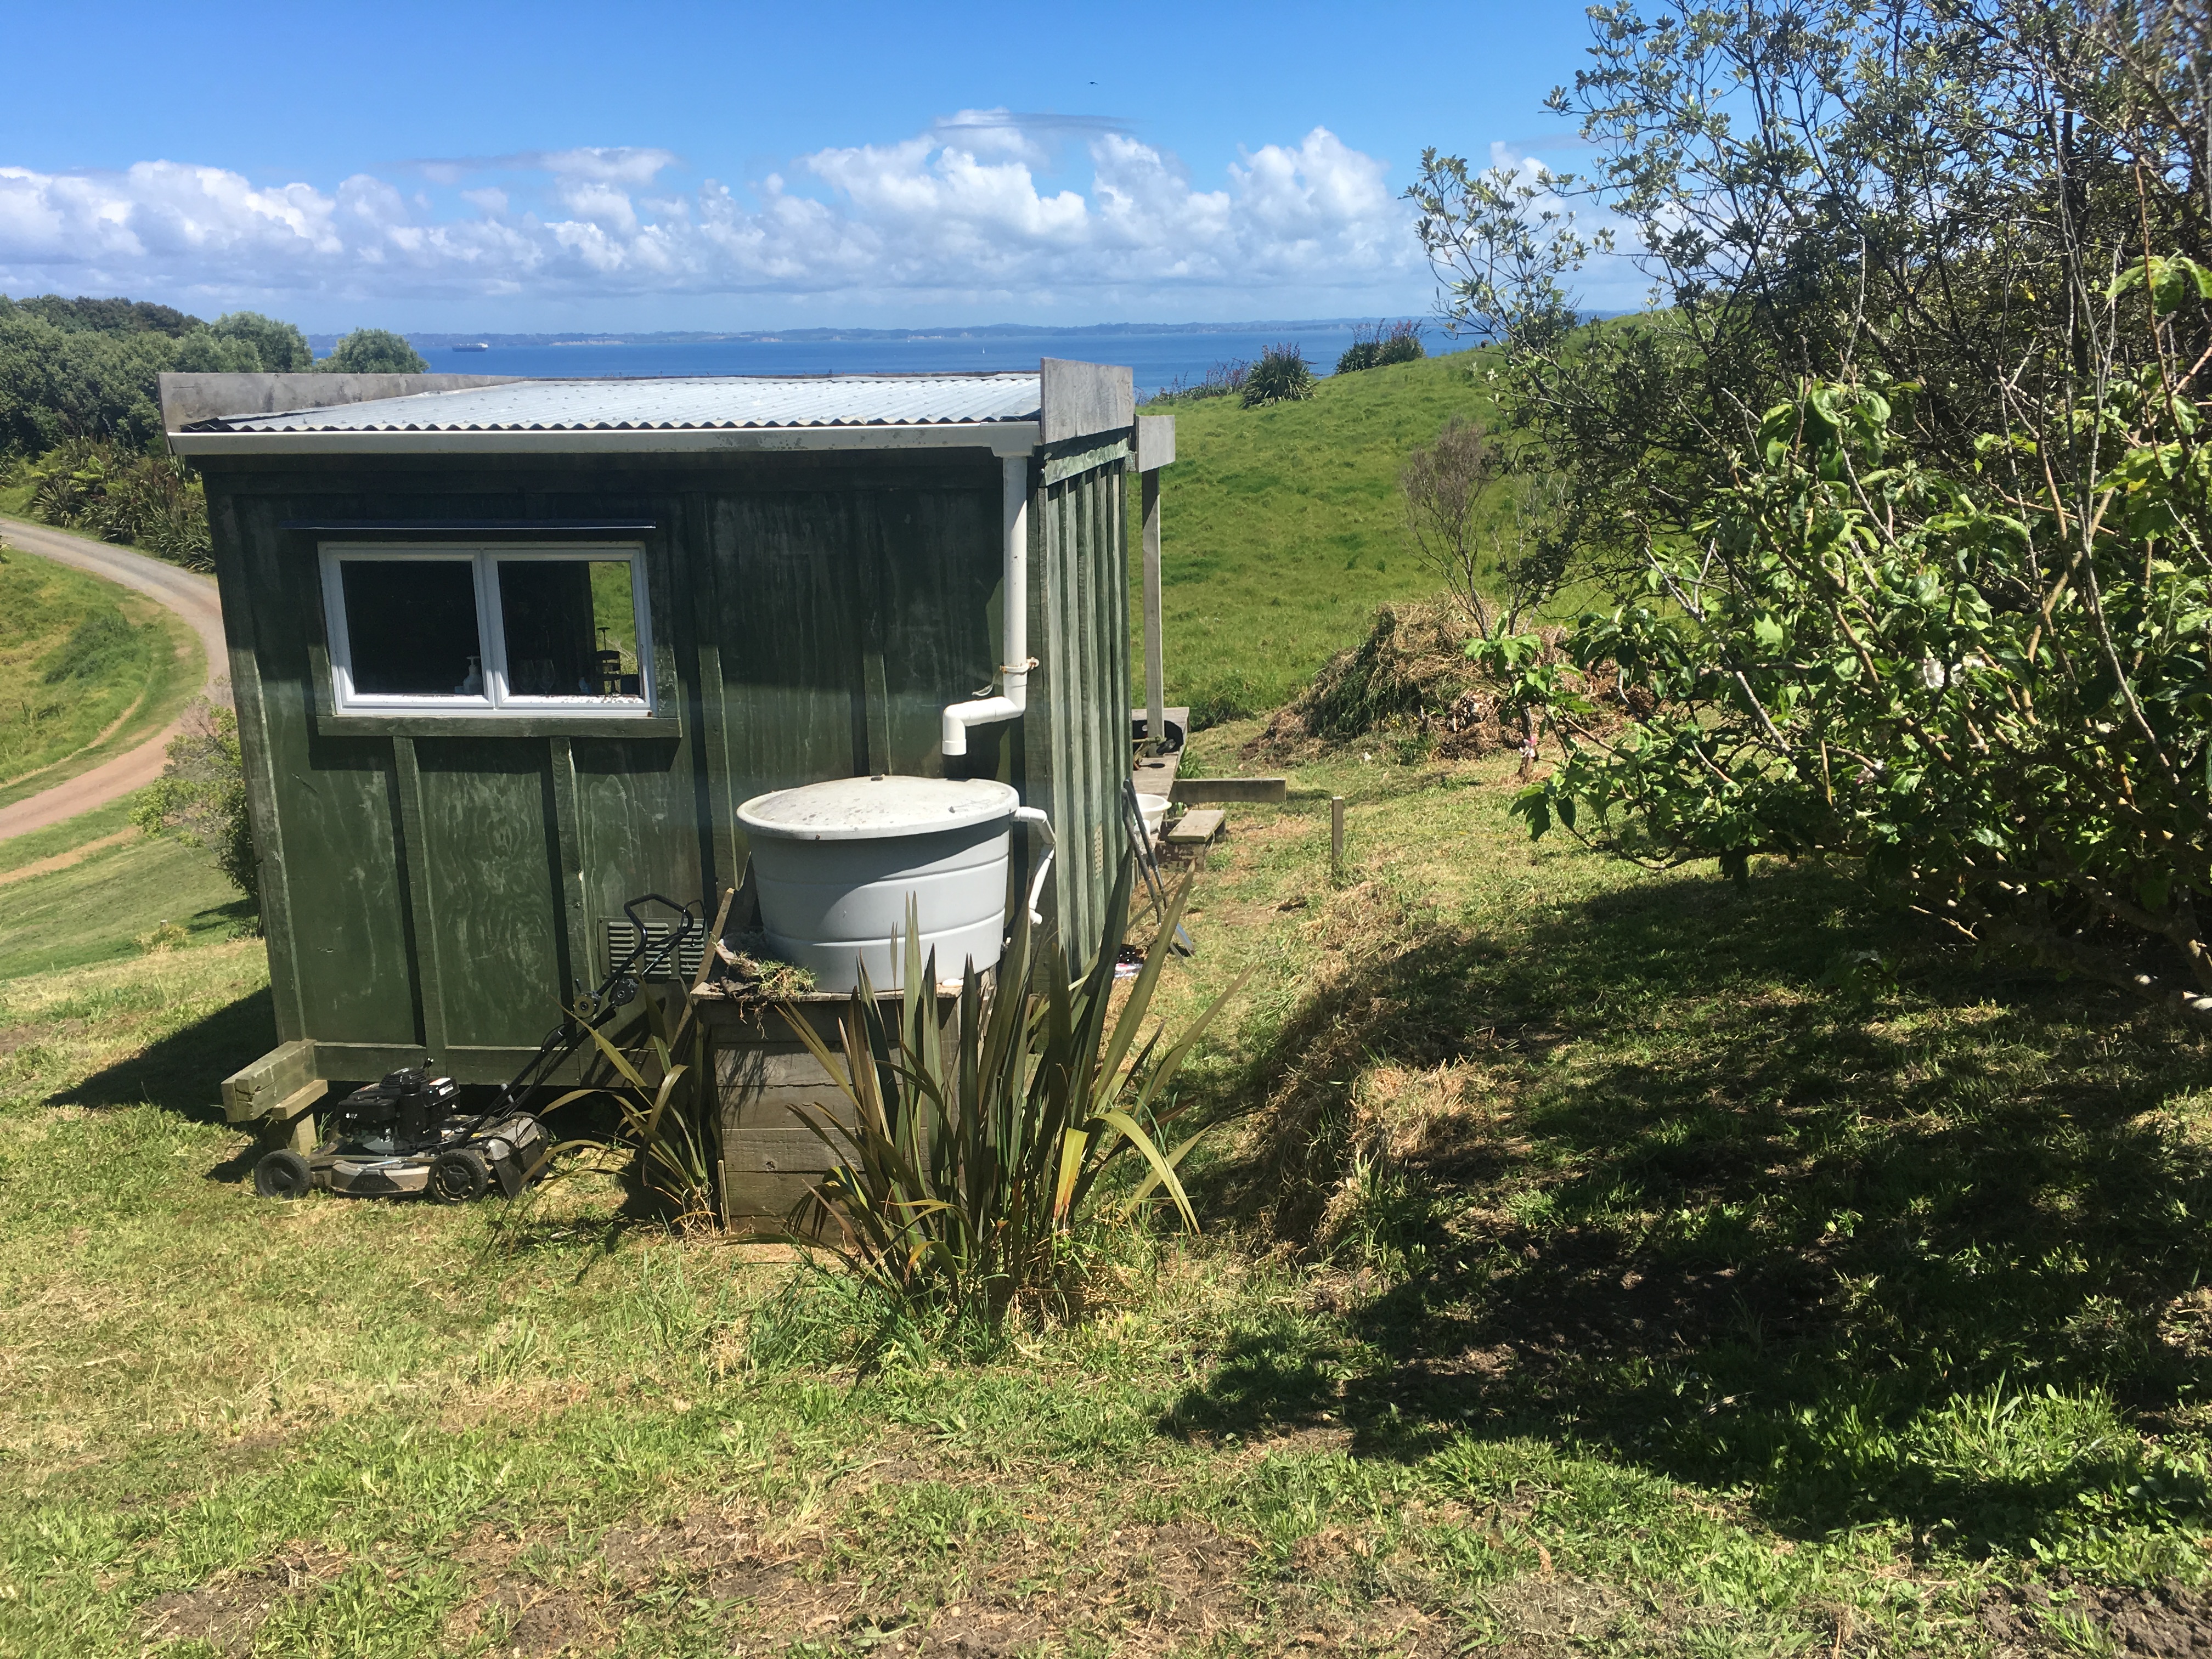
[411,625]
[571,627]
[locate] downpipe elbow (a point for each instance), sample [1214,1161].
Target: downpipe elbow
[1038,816]
[1009,704]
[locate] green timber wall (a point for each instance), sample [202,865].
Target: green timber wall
[437,885]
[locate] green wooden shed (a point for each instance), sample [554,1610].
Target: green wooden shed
[505,652]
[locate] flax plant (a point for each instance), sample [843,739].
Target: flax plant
[974,1153]
[662,1087]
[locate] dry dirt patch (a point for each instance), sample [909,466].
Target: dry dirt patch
[227,1611]
[539,1614]
[1146,1589]
[2170,1622]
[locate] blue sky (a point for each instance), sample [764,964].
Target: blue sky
[553,166]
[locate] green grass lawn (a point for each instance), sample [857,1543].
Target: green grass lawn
[98,908]
[88,668]
[1282,528]
[1595,1262]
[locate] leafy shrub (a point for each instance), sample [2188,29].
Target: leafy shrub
[126,496]
[90,367]
[1383,344]
[964,1184]
[1995,701]
[205,352]
[117,316]
[1282,375]
[372,351]
[1402,344]
[200,797]
[279,348]
[57,381]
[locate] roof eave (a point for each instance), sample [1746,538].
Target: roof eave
[1000,437]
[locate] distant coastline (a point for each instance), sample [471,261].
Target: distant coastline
[430,340]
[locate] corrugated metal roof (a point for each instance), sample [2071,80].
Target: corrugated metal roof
[674,404]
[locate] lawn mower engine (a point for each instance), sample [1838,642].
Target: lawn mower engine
[407,1135]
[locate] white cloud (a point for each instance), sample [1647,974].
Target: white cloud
[960,211]
[613,166]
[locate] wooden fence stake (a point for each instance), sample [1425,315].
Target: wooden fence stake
[1336,838]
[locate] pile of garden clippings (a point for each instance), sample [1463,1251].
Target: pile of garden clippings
[1409,686]
[756,976]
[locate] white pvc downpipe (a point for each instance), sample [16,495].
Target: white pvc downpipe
[1043,822]
[1014,643]
[1014,633]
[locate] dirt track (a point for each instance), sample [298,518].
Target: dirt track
[192,598]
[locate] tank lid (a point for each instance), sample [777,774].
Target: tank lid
[869,809]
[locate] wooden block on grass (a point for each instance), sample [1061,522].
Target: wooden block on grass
[1196,829]
[1270,790]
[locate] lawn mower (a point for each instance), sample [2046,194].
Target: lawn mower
[409,1134]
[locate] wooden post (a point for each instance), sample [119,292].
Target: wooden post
[1336,837]
[1155,449]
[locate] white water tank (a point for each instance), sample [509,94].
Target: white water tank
[836,863]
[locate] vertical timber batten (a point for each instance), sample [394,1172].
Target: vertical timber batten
[1079,569]
[1104,797]
[720,830]
[407,777]
[568,837]
[259,765]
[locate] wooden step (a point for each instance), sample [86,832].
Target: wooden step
[1155,775]
[1270,790]
[1196,829]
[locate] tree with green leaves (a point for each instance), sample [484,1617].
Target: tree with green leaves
[244,343]
[1928,192]
[91,368]
[1902,493]
[59,382]
[372,351]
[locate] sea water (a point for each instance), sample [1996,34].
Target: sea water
[1157,360]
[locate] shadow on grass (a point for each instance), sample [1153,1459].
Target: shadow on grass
[183,1071]
[1916,1257]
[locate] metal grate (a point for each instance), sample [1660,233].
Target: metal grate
[622,939]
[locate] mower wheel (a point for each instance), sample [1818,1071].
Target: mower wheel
[459,1175]
[282,1174]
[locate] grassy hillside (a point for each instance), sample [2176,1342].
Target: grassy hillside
[1663,1291]
[86,668]
[89,891]
[1594,1261]
[1282,527]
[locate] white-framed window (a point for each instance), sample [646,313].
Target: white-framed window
[446,629]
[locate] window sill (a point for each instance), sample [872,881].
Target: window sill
[551,724]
